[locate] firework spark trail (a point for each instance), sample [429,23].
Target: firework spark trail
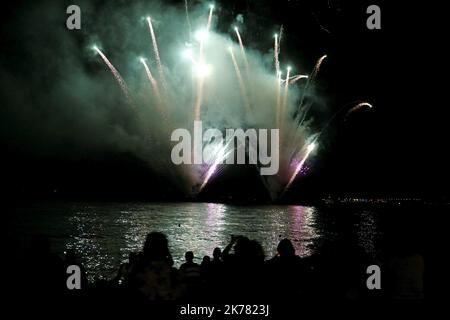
[156,52]
[244,55]
[116,74]
[201,81]
[210,172]
[241,82]
[277,47]
[285,97]
[276,52]
[188,20]
[311,79]
[294,79]
[199,98]
[208,26]
[305,112]
[357,107]
[286,86]
[150,77]
[275,56]
[296,147]
[332,118]
[278,93]
[317,67]
[300,165]
[219,159]
[155,88]
[279,39]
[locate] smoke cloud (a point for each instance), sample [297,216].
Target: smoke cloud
[60,98]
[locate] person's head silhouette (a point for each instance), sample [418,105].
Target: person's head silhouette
[156,246]
[285,248]
[206,260]
[242,247]
[189,256]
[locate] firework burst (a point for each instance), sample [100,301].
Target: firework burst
[222,97]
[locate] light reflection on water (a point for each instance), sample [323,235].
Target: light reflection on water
[104,234]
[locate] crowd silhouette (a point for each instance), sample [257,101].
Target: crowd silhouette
[240,272]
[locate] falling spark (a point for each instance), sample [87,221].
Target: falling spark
[154,86]
[311,79]
[149,75]
[277,46]
[359,106]
[356,108]
[241,82]
[294,79]
[275,54]
[211,8]
[244,56]
[116,74]
[279,38]
[156,51]
[317,67]
[337,113]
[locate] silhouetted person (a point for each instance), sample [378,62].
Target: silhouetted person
[240,245]
[190,269]
[215,275]
[285,249]
[206,262]
[216,265]
[243,269]
[191,273]
[154,276]
[156,248]
[205,267]
[287,272]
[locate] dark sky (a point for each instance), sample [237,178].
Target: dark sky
[398,148]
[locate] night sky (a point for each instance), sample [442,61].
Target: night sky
[398,148]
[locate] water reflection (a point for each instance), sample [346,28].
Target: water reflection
[367,232]
[104,234]
[303,230]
